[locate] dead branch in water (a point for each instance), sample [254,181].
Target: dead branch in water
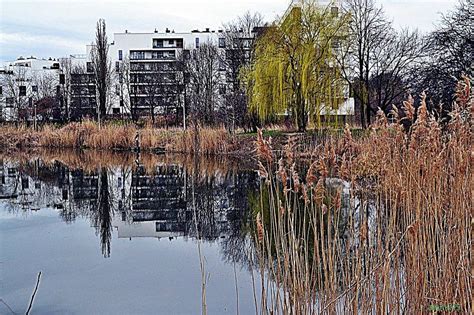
[34,294]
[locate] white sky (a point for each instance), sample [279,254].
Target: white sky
[57,28]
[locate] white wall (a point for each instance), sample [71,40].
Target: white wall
[29,73]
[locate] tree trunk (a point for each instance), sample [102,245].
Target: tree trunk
[301,120]
[363,107]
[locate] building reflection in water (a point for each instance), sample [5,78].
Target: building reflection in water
[138,200]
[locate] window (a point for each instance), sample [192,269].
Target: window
[197,42]
[117,66]
[116,111]
[222,89]
[221,42]
[1,90]
[22,90]
[34,88]
[136,55]
[186,54]
[171,42]
[221,65]
[157,43]
[25,184]
[120,54]
[10,101]
[89,67]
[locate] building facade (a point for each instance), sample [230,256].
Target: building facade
[28,89]
[148,75]
[151,74]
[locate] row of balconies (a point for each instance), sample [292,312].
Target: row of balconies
[153,55]
[153,67]
[159,89]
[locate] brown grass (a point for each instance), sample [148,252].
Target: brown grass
[204,141]
[399,243]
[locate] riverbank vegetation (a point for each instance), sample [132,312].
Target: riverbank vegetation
[378,224]
[128,137]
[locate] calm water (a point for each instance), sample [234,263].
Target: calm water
[120,234]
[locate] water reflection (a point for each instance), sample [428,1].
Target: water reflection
[136,195]
[175,198]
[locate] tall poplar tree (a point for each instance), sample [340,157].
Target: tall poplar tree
[102,67]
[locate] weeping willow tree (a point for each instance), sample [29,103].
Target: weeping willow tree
[294,67]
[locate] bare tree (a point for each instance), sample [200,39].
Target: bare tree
[45,94]
[66,87]
[128,85]
[204,76]
[367,32]
[393,63]
[238,43]
[102,68]
[18,93]
[450,54]
[124,79]
[161,89]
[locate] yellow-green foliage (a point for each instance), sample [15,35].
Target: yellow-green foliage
[294,66]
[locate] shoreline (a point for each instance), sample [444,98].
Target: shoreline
[203,141]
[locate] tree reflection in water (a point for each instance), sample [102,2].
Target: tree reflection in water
[130,194]
[102,216]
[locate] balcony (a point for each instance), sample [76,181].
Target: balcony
[153,55]
[167,43]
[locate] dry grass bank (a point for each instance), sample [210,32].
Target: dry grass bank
[397,242]
[204,141]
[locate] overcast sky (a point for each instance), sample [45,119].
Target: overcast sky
[60,27]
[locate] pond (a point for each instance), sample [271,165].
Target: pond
[117,233]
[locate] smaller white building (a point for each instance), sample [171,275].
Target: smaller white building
[23,83]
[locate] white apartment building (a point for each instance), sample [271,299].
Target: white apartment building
[152,55]
[147,76]
[138,59]
[23,83]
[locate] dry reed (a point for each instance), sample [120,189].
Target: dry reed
[88,134]
[381,224]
